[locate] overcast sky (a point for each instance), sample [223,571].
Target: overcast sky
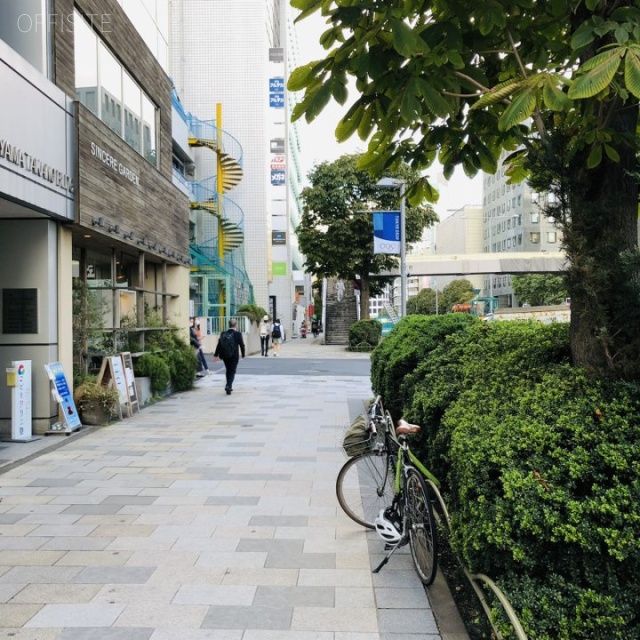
[319,143]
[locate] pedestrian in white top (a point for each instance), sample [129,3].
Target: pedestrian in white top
[263,327]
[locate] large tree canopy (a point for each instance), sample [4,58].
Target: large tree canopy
[336,228]
[555,83]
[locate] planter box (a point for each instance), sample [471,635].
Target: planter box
[96,416]
[143,386]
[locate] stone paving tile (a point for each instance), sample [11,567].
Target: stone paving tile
[158,614]
[30,634]
[76,615]
[357,597]
[407,621]
[39,575]
[301,560]
[261,576]
[197,634]
[334,619]
[247,617]
[398,598]
[56,593]
[216,595]
[94,558]
[113,575]
[247,559]
[75,544]
[106,634]
[8,591]
[335,578]
[259,634]
[32,557]
[281,597]
[17,615]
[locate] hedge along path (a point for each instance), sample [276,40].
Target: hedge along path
[477,580]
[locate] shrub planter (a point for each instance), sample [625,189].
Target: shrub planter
[143,386]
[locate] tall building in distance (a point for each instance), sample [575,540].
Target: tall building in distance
[513,221]
[228,62]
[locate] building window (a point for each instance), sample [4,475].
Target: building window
[551,236]
[108,91]
[519,239]
[534,236]
[535,217]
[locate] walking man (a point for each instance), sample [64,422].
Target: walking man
[227,350]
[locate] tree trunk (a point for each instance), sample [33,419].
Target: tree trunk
[601,240]
[364,297]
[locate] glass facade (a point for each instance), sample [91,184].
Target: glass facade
[25,26]
[105,87]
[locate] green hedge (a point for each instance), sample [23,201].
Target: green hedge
[540,463]
[406,346]
[155,367]
[544,493]
[483,351]
[183,365]
[364,335]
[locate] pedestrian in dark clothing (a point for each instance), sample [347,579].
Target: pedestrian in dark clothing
[203,367]
[227,350]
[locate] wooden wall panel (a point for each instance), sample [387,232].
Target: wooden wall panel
[151,207]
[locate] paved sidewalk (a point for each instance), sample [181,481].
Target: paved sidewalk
[205,516]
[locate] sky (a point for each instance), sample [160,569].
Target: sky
[319,143]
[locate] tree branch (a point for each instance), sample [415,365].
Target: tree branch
[536,115]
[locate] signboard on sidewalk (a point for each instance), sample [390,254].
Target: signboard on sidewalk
[112,375]
[62,395]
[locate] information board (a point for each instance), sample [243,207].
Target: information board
[130,377]
[112,375]
[62,395]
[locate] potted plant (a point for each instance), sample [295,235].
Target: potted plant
[97,404]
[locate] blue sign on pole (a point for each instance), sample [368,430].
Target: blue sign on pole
[276,85]
[386,232]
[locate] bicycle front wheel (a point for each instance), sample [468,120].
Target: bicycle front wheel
[365,486]
[423,534]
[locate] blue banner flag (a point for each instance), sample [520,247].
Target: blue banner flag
[386,232]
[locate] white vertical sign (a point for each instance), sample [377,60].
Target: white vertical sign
[21,426]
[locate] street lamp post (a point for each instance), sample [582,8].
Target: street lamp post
[393,183]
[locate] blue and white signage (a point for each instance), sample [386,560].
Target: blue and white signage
[276,85]
[386,232]
[62,395]
[277,178]
[276,93]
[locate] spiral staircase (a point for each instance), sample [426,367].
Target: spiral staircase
[217,256]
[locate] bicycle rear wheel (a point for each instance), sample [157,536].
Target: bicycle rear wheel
[364,486]
[423,534]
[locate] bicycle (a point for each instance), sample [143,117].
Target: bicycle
[384,489]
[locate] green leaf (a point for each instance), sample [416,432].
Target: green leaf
[632,73]
[405,40]
[434,101]
[497,94]
[612,154]
[595,156]
[317,102]
[582,37]
[349,123]
[554,98]
[521,107]
[622,35]
[599,73]
[339,91]
[300,77]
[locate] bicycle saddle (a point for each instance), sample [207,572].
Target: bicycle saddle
[403,427]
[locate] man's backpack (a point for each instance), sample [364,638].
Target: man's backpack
[276,333]
[227,347]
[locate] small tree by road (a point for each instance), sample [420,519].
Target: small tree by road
[335,233]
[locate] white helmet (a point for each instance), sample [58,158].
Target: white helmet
[386,529]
